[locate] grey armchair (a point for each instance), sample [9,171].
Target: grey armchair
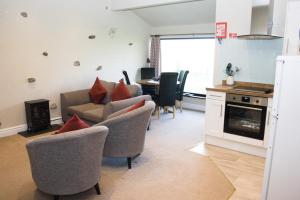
[127,131]
[67,163]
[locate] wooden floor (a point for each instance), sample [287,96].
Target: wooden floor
[243,170]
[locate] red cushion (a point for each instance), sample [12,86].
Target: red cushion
[137,105]
[120,92]
[97,92]
[73,124]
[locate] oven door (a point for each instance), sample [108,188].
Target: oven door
[245,120]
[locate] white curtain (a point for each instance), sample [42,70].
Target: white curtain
[155,54]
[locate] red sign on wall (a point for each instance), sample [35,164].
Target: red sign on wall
[221,30]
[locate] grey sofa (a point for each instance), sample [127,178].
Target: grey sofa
[78,102]
[67,163]
[127,131]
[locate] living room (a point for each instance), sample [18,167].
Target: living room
[63,53]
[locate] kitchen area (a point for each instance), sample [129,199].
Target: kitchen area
[251,107]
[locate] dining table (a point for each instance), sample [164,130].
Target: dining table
[151,82]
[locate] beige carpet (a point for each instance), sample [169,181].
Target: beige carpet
[165,170]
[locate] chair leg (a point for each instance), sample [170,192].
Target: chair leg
[174,111]
[180,106]
[56,197]
[97,188]
[158,112]
[129,162]
[148,128]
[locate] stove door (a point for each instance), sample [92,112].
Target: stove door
[245,120]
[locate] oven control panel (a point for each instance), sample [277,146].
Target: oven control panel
[237,98]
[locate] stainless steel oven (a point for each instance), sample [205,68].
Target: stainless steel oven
[245,116]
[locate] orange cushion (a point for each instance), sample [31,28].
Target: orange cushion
[137,105]
[73,124]
[97,92]
[120,92]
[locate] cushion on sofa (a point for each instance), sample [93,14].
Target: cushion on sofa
[73,124]
[97,92]
[137,105]
[120,92]
[94,115]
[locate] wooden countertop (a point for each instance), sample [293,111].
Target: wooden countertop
[230,89]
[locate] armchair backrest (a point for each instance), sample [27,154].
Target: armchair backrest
[67,163]
[127,132]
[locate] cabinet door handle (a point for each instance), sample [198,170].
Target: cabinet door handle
[221,110]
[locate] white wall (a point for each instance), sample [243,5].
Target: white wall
[256,58]
[61,28]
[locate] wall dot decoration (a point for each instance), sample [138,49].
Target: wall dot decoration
[45,53]
[106,7]
[112,32]
[24,14]
[76,63]
[31,80]
[92,37]
[130,44]
[99,68]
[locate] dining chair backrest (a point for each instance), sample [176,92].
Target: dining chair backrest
[180,77]
[181,87]
[126,77]
[167,89]
[147,72]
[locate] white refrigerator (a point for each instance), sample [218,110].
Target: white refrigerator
[282,170]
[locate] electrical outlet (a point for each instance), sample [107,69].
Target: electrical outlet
[53,106]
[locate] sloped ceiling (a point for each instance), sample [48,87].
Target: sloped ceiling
[179,14]
[197,12]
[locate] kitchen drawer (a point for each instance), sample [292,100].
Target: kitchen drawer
[221,96]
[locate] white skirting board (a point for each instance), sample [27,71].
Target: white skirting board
[236,146]
[23,127]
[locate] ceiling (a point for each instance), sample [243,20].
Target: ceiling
[179,14]
[196,12]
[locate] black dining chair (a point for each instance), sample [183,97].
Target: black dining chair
[180,77]
[126,77]
[166,96]
[180,89]
[148,73]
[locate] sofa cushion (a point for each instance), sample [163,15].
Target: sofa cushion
[80,109]
[109,86]
[95,115]
[73,124]
[137,105]
[120,92]
[97,92]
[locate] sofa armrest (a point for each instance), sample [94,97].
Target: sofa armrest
[115,106]
[72,99]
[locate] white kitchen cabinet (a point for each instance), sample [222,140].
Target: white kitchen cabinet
[214,114]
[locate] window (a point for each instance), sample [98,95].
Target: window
[195,55]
